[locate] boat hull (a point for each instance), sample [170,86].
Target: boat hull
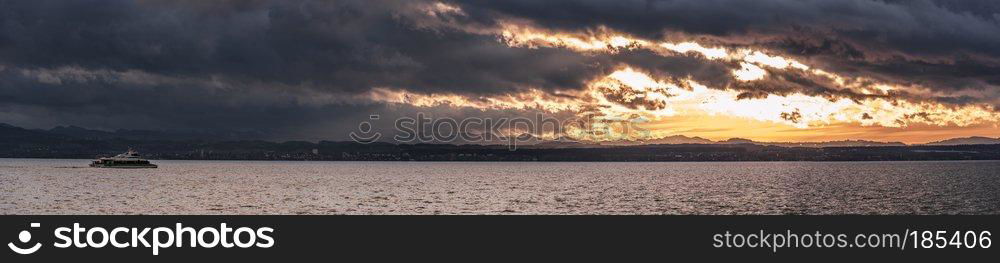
[127,160]
[118,166]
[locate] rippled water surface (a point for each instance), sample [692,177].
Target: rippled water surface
[33,186]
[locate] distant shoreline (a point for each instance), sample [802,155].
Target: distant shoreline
[340,151]
[79,143]
[459,161]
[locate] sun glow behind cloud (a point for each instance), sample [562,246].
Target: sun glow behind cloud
[632,95]
[628,94]
[796,110]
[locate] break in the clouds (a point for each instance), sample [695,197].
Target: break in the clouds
[308,69]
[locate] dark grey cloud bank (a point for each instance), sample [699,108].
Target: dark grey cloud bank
[941,44]
[294,65]
[344,45]
[273,51]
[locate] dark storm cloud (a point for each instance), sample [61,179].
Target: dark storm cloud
[955,43]
[112,100]
[918,27]
[341,45]
[266,53]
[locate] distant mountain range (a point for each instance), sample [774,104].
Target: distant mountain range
[967,141]
[81,143]
[10,132]
[844,143]
[681,139]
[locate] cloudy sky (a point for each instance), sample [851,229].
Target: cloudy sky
[769,70]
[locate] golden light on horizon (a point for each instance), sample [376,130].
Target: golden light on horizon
[628,94]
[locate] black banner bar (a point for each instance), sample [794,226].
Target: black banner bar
[514,238]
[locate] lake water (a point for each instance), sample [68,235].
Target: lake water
[38,186]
